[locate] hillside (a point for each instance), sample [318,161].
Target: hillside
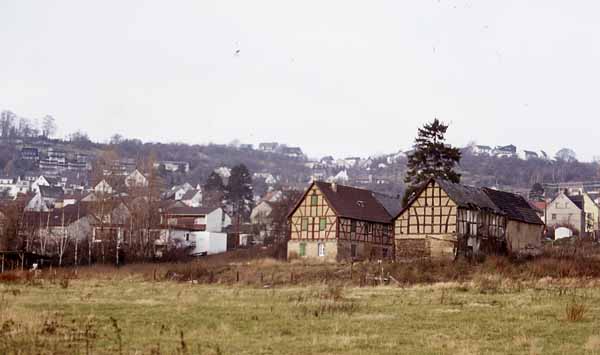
[271,163]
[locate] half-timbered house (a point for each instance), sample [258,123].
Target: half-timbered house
[336,222]
[444,219]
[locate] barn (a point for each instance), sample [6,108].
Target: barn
[445,219]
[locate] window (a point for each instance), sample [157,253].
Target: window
[321,249]
[314,200]
[353,250]
[368,228]
[304,223]
[353,226]
[187,237]
[553,216]
[322,223]
[302,249]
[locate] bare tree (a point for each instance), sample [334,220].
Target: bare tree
[48,126]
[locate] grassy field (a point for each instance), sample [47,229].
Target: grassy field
[130,314]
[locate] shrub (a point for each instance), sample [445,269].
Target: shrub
[575,311]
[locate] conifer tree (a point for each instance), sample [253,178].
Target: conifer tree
[239,193]
[214,183]
[432,157]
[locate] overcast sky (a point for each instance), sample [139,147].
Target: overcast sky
[335,77]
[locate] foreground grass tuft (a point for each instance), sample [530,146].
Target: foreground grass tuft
[575,311]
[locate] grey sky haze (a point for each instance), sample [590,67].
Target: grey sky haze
[335,77]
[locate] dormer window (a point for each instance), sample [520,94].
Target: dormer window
[360,203]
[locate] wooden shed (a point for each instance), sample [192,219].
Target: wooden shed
[444,219]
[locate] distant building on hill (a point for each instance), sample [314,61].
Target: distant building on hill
[268,147]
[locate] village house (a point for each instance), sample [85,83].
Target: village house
[262,215]
[58,228]
[327,161]
[192,198]
[198,229]
[528,155]
[577,212]
[268,147]
[173,166]
[177,192]
[136,179]
[445,219]
[30,153]
[46,199]
[481,150]
[44,180]
[292,152]
[506,151]
[103,187]
[336,222]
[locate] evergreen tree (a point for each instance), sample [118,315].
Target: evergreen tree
[432,157]
[239,193]
[214,183]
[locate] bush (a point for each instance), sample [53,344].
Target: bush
[575,311]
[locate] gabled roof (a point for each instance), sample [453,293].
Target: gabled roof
[190,194]
[351,202]
[515,207]
[51,191]
[467,196]
[392,205]
[577,200]
[57,217]
[511,205]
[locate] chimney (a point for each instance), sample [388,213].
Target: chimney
[334,186]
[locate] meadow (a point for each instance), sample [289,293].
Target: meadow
[271,307]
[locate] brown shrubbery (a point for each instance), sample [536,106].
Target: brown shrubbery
[257,267]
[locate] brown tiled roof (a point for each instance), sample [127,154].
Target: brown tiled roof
[351,202]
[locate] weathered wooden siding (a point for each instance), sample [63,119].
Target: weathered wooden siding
[368,240]
[523,237]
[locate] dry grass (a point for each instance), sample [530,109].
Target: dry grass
[238,304]
[131,315]
[575,311]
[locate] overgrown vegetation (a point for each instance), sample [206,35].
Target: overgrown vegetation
[123,312]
